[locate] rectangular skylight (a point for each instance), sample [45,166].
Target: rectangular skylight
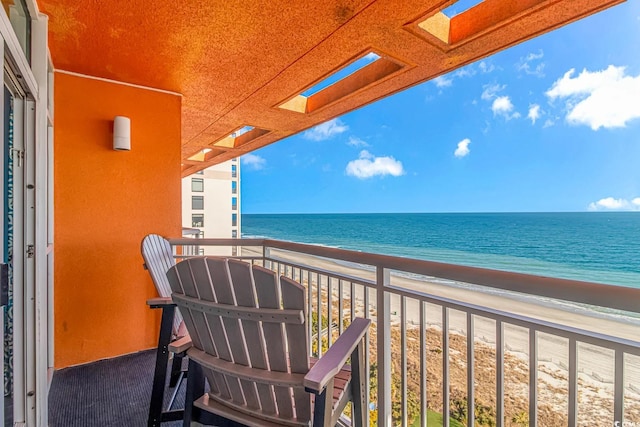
[342,74]
[353,77]
[240,136]
[459,7]
[241,131]
[204,154]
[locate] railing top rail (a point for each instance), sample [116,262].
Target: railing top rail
[215,242]
[187,231]
[597,294]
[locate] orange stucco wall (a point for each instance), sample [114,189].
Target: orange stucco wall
[105,202]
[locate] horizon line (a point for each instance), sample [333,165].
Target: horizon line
[438,212]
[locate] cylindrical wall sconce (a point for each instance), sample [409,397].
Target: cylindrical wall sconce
[122,133]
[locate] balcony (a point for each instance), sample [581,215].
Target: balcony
[76,209]
[527,350]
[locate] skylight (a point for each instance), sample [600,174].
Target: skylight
[240,136]
[459,7]
[241,131]
[353,77]
[341,74]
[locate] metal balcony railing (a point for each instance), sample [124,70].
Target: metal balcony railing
[538,355]
[191,233]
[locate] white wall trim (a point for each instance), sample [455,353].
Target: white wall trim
[71,73]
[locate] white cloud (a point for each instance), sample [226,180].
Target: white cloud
[491,91]
[607,98]
[447,80]
[467,71]
[532,64]
[486,67]
[463,148]
[534,113]
[354,141]
[442,81]
[611,204]
[253,161]
[548,123]
[368,166]
[326,130]
[502,106]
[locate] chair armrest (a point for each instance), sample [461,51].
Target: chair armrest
[159,302]
[335,358]
[181,344]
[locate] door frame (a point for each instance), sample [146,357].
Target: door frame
[33,276]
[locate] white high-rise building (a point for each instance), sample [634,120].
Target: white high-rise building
[211,204]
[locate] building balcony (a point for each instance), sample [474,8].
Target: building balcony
[527,350]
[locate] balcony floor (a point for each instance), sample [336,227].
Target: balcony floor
[112,392]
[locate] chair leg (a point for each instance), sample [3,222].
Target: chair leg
[358,387]
[195,389]
[160,374]
[322,408]
[176,369]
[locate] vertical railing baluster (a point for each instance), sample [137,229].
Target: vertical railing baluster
[309,310]
[471,390]
[423,366]
[618,387]
[340,310]
[533,378]
[573,383]
[319,296]
[403,360]
[329,310]
[266,254]
[367,344]
[383,306]
[445,366]
[353,301]
[499,373]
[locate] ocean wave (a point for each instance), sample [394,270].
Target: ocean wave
[255,236]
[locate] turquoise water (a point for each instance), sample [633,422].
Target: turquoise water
[599,247]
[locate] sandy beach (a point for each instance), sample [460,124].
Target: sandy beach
[595,364]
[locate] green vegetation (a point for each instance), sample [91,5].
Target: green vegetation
[483,415]
[521,419]
[435,419]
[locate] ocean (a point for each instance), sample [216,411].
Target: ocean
[602,247]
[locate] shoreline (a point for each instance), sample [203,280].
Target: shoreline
[530,306]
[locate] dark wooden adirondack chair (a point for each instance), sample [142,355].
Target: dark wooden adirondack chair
[251,344]
[158,258]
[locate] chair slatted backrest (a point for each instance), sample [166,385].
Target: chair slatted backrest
[249,335]
[158,259]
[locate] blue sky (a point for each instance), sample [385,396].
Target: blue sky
[550,125]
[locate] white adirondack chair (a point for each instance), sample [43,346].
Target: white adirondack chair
[251,344]
[158,258]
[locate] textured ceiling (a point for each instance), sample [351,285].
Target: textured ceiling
[236,62]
